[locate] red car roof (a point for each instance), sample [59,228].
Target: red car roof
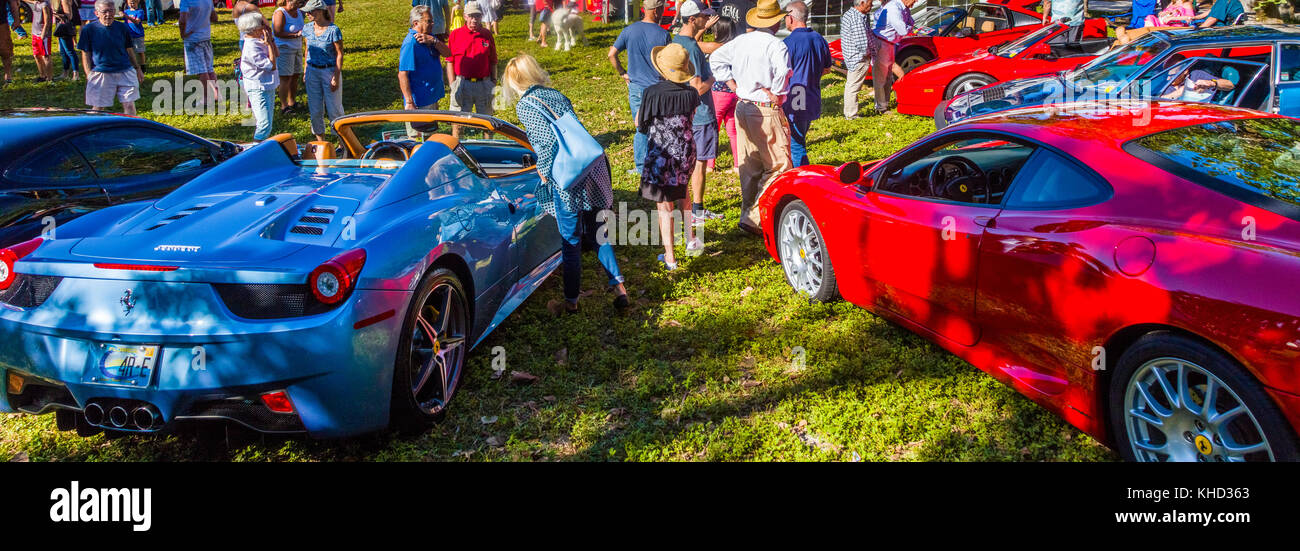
[1112,123]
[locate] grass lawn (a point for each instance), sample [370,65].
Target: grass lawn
[719,361]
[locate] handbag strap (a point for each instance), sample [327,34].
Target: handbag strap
[547,108]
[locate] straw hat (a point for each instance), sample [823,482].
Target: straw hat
[765,14]
[672,62]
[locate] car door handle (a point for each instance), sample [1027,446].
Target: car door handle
[986,221]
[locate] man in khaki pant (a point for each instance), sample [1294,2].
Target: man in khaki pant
[756,66]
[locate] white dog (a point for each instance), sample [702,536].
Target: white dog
[568,26]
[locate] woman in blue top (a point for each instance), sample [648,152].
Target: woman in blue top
[575,209]
[324,79]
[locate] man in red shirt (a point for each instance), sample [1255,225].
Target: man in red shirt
[474,62]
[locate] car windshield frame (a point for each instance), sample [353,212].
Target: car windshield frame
[1080,73]
[1023,43]
[1192,165]
[936,12]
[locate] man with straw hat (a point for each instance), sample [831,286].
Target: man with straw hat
[757,66]
[665,115]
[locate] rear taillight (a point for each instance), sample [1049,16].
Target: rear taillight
[333,280]
[278,402]
[11,256]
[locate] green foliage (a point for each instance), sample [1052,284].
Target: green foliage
[700,368]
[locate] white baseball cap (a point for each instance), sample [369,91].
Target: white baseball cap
[694,7]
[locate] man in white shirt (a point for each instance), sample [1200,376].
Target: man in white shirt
[892,24]
[757,67]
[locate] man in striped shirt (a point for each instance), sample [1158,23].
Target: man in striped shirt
[853,46]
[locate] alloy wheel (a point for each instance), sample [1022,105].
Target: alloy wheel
[438,348]
[1176,410]
[802,252]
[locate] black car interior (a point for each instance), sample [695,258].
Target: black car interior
[971,170]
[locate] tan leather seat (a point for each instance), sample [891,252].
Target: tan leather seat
[988,26]
[446,139]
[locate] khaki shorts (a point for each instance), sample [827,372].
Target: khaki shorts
[290,62]
[103,88]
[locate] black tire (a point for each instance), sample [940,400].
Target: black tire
[418,406]
[914,58]
[1144,359]
[800,279]
[967,82]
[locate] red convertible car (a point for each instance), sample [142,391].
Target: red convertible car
[942,32]
[1136,280]
[1046,50]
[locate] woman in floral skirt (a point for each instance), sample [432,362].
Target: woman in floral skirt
[665,116]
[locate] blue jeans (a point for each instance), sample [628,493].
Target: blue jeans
[68,53]
[155,10]
[798,140]
[640,142]
[577,229]
[263,102]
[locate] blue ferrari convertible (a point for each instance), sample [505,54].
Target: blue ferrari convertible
[329,289]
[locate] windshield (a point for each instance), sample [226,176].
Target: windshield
[1014,48]
[1118,65]
[932,20]
[1261,156]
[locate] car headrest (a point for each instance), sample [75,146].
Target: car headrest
[1231,74]
[988,27]
[320,150]
[446,139]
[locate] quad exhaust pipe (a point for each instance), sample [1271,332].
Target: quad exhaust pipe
[118,416]
[94,414]
[145,417]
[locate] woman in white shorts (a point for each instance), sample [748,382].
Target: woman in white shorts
[287,25]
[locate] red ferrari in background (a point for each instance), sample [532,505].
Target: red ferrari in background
[1044,51]
[1138,280]
[942,32]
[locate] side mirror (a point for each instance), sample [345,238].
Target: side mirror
[966,32]
[228,150]
[849,173]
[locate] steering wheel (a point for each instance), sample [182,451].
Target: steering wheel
[964,188]
[388,149]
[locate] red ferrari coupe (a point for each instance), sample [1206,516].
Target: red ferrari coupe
[942,32]
[1046,50]
[1132,278]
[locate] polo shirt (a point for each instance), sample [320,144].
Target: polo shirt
[810,55]
[106,46]
[473,53]
[638,39]
[424,70]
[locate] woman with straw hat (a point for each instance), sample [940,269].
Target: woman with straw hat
[665,118]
